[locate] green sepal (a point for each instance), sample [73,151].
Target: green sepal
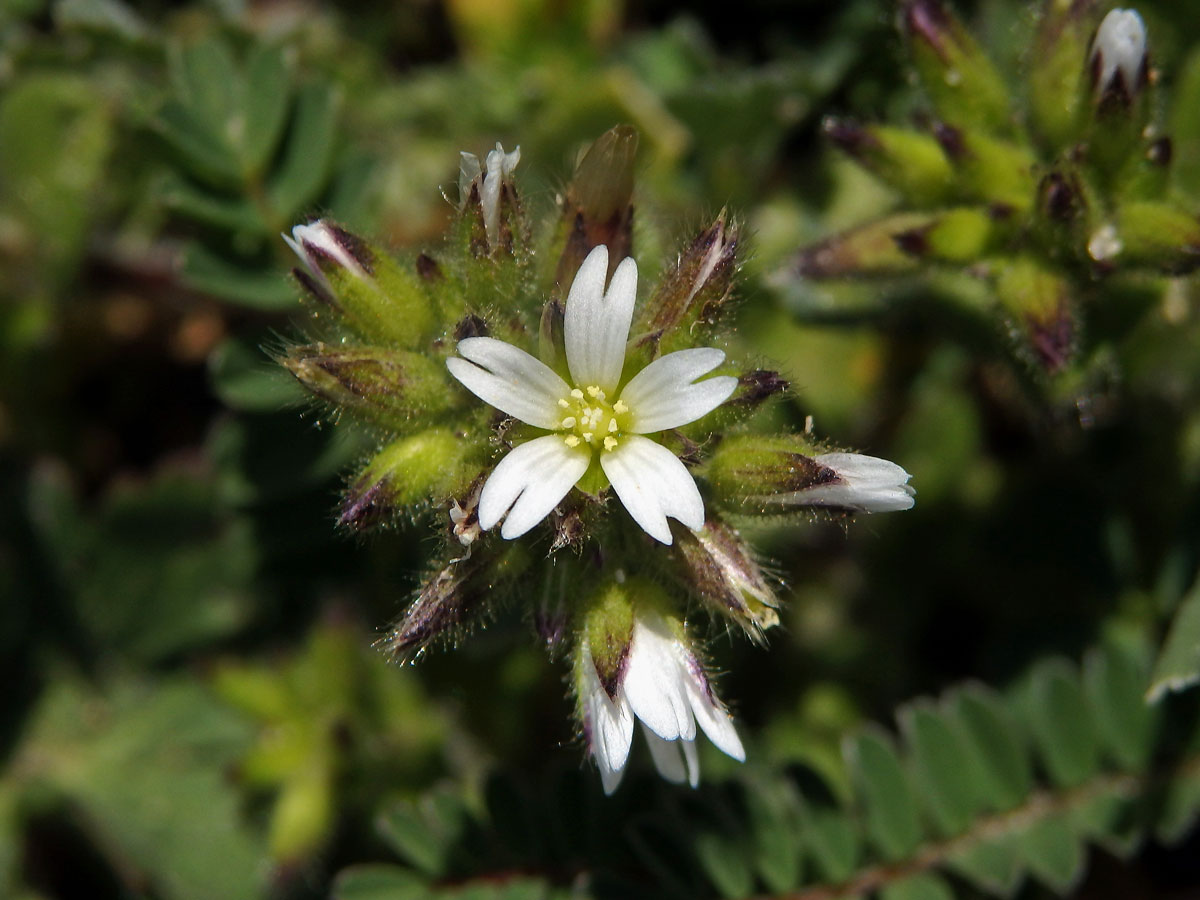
[988,169]
[431,465]
[607,629]
[719,568]
[870,250]
[1039,305]
[912,162]
[692,297]
[389,387]
[1058,89]
[962,235]
[956,73]
[753,474]
[1158,236]
[597,206]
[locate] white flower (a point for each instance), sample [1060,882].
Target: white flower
[864,483]
[499,165]
[662,684]
[1120,49]
[597,415]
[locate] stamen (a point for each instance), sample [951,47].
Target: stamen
[610,443]
[564,404]
[587,436]
[577,394]
[613,426]
[618,407]
[594,392]
[571,440]
[568,422]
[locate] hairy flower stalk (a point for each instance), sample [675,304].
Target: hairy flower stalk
[572,450]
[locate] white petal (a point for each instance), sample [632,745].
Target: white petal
[531,480]
[693,762]
[510,379]
[610,728]
[653,484]
[667,756]
[596,324]
[712,717]
[654,681]
[468,170]
[870,484]
[663,395]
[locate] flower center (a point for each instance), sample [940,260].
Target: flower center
[588,418]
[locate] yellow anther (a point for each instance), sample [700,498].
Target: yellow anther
[571,440]
[594,392]
[564,404]
[587,436]
[618,407]
[612,426]
[577,394]
[568,422]
[610,443]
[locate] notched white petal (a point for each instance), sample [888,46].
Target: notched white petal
[667,756]
[713,718]
[653,485]
[666,394]
[528,483]
[596,323]
[509,379]
[869,484]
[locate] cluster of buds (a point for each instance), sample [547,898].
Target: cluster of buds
[1049,193]
[568,444]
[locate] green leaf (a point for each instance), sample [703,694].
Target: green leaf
[1061,722]
[1111,820]
[777,833]
[236,214]
[261,288]
[945,766]
[425,833]
[923,886]
[1178,665]
[724,864]
[145,767]
[889,806]
[265,106]
[994,863]
[1115,681]
[201,151]
[308,153]
[379,882]
[1052,852]
[247,379]
[1006,777]
[832,841]
[207,82]
[1180,807]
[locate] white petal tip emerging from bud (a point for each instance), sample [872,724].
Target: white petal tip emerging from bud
[1119,51]
[866,484]
[319,241]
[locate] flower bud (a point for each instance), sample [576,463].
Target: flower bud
[598,206]
[871,249]
[1119,62]
[909,161]
[988,169]
[1056,76]
[954,235]
[1152,235]
[388,387]
[758,475]
[1038,304]
[721,570]
[487,192]
[956,73]
[431,465]
[695,292]
[453,597]
[379,299]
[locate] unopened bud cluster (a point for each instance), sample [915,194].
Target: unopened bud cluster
[567,436]
[1049,191]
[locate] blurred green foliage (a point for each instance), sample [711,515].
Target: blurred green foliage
[193,707]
